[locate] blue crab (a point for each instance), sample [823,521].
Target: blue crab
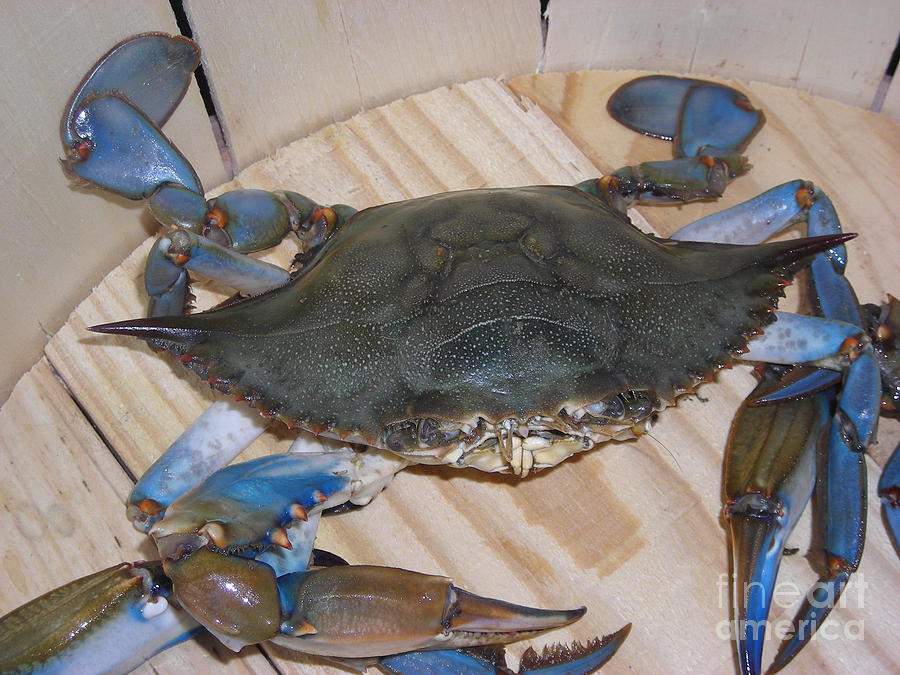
[467,406]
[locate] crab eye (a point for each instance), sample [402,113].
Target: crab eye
[400,437]
[615,408]
[422,433]
[432,435]
[639,406]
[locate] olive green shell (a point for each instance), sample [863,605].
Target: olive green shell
[484,303]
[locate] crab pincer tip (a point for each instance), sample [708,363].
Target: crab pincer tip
[574,658]
[479,614]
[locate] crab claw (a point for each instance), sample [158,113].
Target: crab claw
[126,153]
[361,611]
[152,70]
[575,659]
[346,611]
[769,479]
[695,114]
[110,621]
[111,126]
[235,599]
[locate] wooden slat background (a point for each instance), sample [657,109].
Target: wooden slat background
[828,48]
[328,61]
[632,530]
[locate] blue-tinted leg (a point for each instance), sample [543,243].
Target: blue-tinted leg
[110,621]
[889,491]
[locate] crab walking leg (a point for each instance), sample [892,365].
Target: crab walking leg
[210,238]
[841,494]
[889,491]
[108,622]
[792,338]
[842,489]
[555,660]
[797,338]
[752,221]
[166,279]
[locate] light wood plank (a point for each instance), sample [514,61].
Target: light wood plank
[309,64]
[62,496]
[633,530]
[820,47]
[891,105]
[57,243]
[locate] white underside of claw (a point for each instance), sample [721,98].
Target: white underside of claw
[795,338]
[370,472]
[209,444]
[223,431]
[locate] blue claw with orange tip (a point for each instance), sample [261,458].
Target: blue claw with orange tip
[857,347]
[841,341]
[219,563]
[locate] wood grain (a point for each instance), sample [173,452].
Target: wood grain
[326,61]
[631,530]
